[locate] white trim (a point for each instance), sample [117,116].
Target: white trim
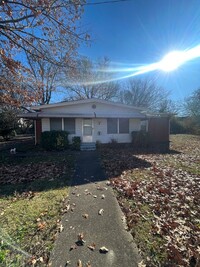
[74,115]
[63,124]
[92,100]
[35,131]
[88,138]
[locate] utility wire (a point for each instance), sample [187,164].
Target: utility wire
[106,2]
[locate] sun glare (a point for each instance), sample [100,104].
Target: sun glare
[169,62]
[172,61]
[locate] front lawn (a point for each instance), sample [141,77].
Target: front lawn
[33,191]
[160,196]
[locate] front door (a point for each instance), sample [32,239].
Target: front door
[87,130]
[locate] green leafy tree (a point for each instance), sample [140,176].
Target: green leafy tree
[8,122]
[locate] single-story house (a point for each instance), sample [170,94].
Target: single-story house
[96,120]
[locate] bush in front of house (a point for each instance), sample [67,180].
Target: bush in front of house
[76,143]
[54,140]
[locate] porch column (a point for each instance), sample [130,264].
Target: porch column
[38,131]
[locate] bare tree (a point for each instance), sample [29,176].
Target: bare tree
[169,106]
[43,77]
[143,93]
[90,80]
[192,104]
[192,110]
[26,23]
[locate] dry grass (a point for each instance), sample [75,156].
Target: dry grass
[159,194]
[31,205]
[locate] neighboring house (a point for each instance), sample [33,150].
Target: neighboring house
[96,120]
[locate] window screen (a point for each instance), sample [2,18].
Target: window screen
[69,125]
[123,125]
[55,124]
[111,126]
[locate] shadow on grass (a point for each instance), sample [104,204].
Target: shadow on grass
[26,160]
[34,186]
[90,165]
[87,166]
[153,149]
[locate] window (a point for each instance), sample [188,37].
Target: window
[69,125]
[123,126]
[112,126]
[87,127]
[55,124]
[120,126]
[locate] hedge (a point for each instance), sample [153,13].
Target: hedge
[55,140]
[76,142]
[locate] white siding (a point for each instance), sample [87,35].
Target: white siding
[100,131]
[45,124]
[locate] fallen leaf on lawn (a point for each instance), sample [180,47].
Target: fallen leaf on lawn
[41,259]
[41,225]
[43,213]
[92,246]
[85,216]
[34,261]
[141,264]
[103,196]
[103,250]
[88,264]
[79,263]
[101,211]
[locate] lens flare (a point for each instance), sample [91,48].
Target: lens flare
[169,62]
[172,60]
[9,242]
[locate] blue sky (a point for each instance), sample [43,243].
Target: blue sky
[142,32]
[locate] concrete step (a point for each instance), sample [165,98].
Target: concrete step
[88,146]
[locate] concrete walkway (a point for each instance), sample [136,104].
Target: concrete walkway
[88,194]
